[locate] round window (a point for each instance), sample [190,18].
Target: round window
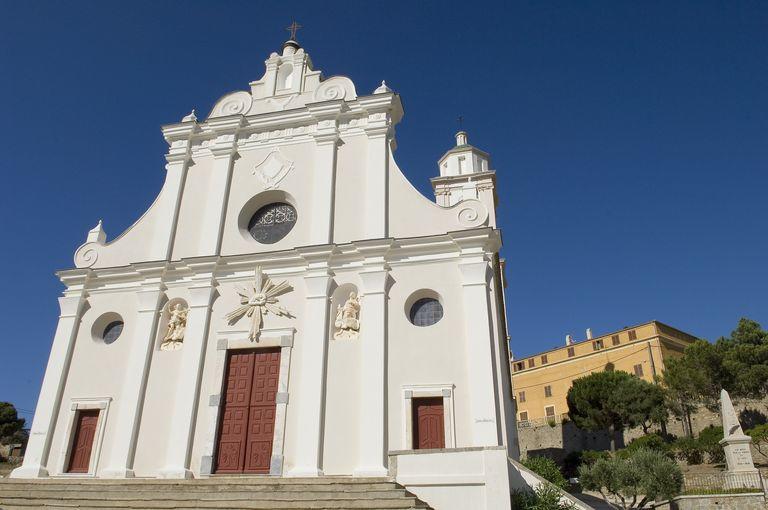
[272,222]
[426,311]
[112,331]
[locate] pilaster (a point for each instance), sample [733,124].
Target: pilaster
[48,403]
[313,347]
[270,77]
[475,276]
[377,175]
[224,152]
[129,407]
[324,176]
[372,449]
[179,158]
[201,295]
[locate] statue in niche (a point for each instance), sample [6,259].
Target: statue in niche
[177,325]
[347,321]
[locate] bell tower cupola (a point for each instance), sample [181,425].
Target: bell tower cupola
[465,174]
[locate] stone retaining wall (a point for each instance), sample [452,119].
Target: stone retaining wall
[715,502]
[561,438]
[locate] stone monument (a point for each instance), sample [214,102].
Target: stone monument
[738,456]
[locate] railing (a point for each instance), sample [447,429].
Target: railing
[723,483]
[538,422]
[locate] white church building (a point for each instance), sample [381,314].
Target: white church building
[290,306]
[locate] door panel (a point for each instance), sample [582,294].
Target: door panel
[428,423]
[82,444]
[234,414]
[261,425]
[248,414]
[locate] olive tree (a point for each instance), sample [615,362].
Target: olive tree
[629,482]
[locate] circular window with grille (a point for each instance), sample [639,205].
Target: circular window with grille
[426,311]
[272,222]
[107,328]
[112,332]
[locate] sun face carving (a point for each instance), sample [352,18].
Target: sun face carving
[257,300]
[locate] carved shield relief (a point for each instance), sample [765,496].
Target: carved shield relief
[273,169]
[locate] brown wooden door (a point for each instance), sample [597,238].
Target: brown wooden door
[428,423]
[82,443]
[247,421]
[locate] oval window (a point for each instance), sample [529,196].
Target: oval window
[426,311]
[112,331]
[272,222]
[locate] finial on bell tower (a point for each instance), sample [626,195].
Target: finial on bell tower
[461,135]
[293,28]
[291,45]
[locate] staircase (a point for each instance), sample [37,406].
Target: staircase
[231,493]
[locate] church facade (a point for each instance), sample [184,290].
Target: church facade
[290,305]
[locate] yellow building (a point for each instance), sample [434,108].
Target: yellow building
[541,382]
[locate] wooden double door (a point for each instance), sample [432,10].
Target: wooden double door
[247,414]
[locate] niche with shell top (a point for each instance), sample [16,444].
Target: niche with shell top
[172,325]
[345,312]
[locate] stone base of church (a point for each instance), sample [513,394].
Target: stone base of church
[118,473]
[32,471]
[178,474]
[455,478]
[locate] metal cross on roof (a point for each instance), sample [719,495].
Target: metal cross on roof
[293,28]
[460,120]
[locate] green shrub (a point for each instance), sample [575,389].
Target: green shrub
[709,442]
[653,442]
[545,497]
[689,450]
[649,442]
[573,460]
[592,456]
[759,435]
[547,469]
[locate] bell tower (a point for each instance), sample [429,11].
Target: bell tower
[465,174]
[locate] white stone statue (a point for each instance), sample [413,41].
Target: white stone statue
[177,325]
[738,456]
[347,321]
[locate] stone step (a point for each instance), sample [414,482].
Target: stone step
[216,493]
[37,506]
[379,504]
[214,480]
[203,495]
[175,487]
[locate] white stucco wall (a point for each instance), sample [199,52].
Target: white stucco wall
[97,370]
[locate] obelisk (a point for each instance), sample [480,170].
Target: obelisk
[738,457]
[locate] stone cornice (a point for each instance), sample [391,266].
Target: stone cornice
[447,180]
[180,131]
[75,279]
[475,243]
[313,114]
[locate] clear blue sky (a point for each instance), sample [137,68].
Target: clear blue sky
[630,141]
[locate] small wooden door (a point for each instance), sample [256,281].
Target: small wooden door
[82,443]
[428,423]
[247,423]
